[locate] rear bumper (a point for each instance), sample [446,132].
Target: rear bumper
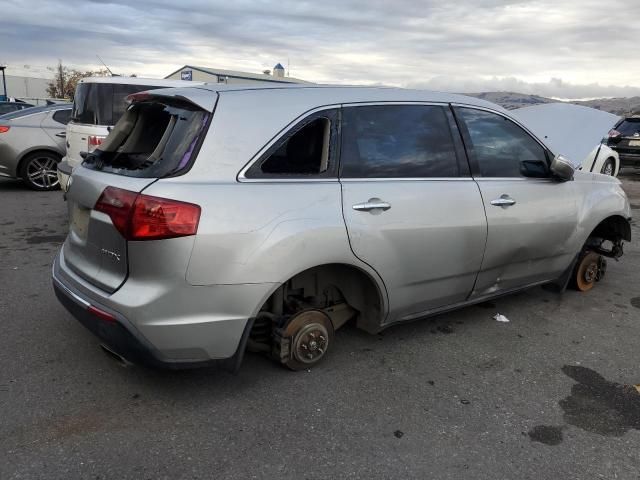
[124,338]
[629,159]
[629,156]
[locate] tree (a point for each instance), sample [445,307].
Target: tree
[65,80]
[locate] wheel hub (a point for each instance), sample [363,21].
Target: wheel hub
[591,272]
[590,269]
[310,343]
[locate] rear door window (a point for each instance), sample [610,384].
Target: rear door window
[397,141]
[152,140]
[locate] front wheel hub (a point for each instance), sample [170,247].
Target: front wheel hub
[590,269]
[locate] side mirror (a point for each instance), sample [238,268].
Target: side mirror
[562,168]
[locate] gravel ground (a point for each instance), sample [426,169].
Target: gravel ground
[547,395]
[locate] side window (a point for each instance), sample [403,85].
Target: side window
[307,150]
[395,141]
[500,147]
[62,116]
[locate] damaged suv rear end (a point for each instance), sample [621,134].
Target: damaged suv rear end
[123,230]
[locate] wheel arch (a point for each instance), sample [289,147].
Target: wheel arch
[616,164]
[611,228]
[362,290]
[27,153]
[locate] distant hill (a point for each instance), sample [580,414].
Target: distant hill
[513,100]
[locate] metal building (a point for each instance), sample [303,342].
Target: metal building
[217,75]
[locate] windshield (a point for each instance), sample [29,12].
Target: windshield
[151,140]
[102,103]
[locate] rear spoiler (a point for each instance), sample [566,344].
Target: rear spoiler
[200,97]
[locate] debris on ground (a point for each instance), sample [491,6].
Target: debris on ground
[500,318]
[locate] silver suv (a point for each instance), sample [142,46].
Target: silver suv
[217,219]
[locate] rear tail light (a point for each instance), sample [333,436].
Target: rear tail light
[143,217]
[4,129]
[613,133]
[93,142]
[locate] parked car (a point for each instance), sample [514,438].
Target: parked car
[578,132]
[221,217]
[98,104]
[624,138]
[8,107]
[32,144]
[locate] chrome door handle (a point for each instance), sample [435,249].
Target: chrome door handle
[372,204]
[503,201]
[61,135]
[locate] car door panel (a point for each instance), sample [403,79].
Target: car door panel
[530,221]
[411,210]
[427,246]
[527,241]
[55,131]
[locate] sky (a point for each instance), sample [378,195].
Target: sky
[558,48]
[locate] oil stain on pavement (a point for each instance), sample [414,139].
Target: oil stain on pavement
[546,434]
[595,405]
[599,406]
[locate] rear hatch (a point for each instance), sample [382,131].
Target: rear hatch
[625,136]
[157,137]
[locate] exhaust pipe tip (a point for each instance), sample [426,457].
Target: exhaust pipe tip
[123,362]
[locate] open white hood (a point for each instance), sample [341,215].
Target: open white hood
[570,130]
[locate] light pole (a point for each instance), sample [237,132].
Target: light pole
[4,82]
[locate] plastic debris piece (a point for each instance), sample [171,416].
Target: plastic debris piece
[637,388]
[500,318]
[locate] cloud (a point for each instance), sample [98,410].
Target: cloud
[555,87]
[565,49]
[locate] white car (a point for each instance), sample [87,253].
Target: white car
[98,104]
[576,132]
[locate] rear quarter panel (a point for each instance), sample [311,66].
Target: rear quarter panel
[262,232]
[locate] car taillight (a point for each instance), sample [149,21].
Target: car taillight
[4,129]
[118,204]
[613,133]
[143,217]
[93,142]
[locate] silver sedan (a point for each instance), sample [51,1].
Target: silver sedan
[32,142]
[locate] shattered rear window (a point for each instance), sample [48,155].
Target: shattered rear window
[152,140]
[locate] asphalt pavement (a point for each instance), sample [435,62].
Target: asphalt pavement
[548,395]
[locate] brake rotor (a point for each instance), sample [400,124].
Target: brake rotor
[311,333]
[588,271]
